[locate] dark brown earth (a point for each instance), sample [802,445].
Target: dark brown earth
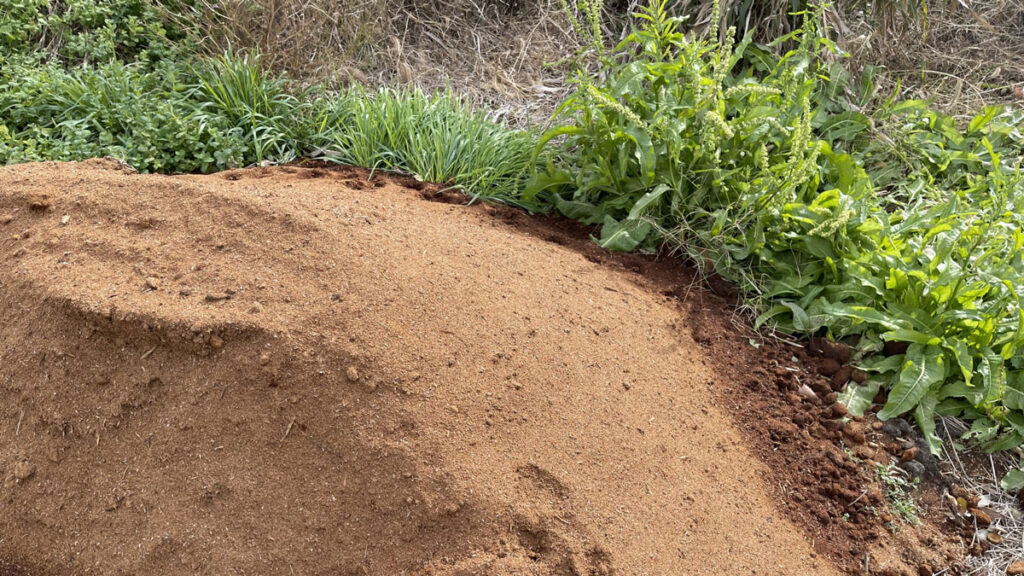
[311,371]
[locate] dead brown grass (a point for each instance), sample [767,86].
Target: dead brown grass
[960,54]
[508,54]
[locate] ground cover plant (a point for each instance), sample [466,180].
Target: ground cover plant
[898,232]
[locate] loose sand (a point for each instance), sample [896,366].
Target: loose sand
[302,371]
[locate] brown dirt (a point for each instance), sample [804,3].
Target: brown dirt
[308,371]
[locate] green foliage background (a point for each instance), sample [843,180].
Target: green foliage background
[897,227]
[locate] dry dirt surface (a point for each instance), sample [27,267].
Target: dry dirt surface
[317,372]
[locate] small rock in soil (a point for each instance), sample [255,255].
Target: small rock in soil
[6,219]
[217,342]
[23,470]
[854,432]
[806,391]
[864,452]
[152,283]
[352,374]
[40,203]
[909,454]
[981,516]
[828,367]
[914,469]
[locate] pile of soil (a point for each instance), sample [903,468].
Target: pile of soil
[310,371]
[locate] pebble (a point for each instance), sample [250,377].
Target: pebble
[828,367]
[981,516]
[40,203]
[264,359]
[217,342]
[152,283]
[6,219]
[23,470]
[909,454]
[854,432]
[64,220]
[806,391]
[352,374]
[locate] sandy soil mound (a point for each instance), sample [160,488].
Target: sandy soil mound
[299,371]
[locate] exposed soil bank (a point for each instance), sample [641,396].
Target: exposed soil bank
[306,371]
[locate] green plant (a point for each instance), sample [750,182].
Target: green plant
[585,16]
[899,492]
[671,137]
[147,118]
[435,137]
[238,90]
[87,31]
[762,169]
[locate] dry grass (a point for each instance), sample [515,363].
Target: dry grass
[963,54]
[508,54]
[981,477]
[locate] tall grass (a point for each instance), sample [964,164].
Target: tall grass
[237,89]
[436,137]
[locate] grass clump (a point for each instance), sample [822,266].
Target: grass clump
[435,137]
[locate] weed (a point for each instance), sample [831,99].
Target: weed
[898,229]
[899,492]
